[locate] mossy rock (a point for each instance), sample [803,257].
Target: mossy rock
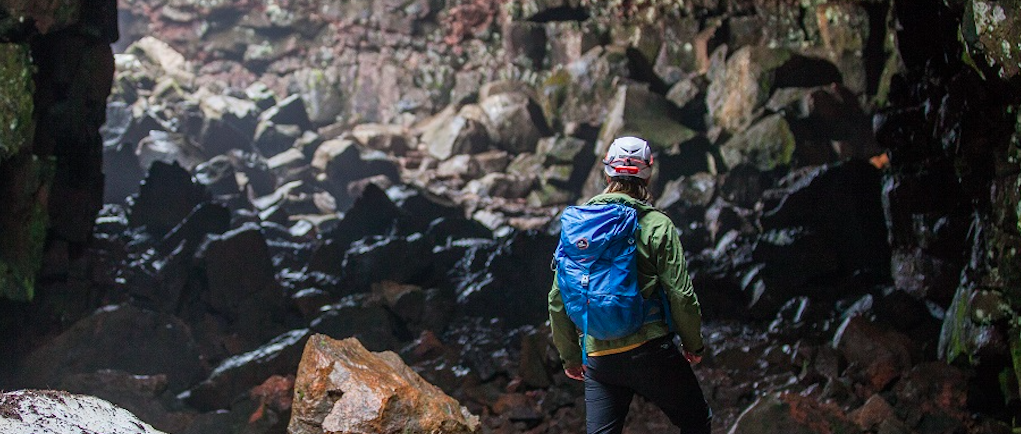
[992,30]
[16,126]
[24,185]
[767,145]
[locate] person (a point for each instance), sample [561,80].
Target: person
[646,362]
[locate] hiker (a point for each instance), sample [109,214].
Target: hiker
[645,360]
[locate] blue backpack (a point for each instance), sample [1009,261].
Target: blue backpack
[597,275]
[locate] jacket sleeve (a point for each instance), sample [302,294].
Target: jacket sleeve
[672,271]
[565,334]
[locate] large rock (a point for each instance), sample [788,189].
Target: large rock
[343,388]
[122,337]
[879,356]
[993,30]
[452,133]
[767,145]
[791,413]
[54,412]
[228,122]
[166,197]
[241,281]
[516,122]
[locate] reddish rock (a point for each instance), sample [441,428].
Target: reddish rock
[343,388]
[879,355]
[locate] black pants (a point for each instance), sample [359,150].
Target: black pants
[658,372]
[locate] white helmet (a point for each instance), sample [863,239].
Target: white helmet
[628,156]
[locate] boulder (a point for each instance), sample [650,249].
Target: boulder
[847,213]
[791,413]
[741,84]
[56,412]
[341,387]
[165,198]
[516,123]
[228,122]
[241,282]
[877,356]
[235,376]
[392,139]
[370,260]
[171,63]
[674,61]
[352,164]
[124,338]
[452,133]
[768,144]
[272,139]
[578,93]
[321,94]
[524,43]
[493,285]
[845,30]
[993,30]
[170,148]
[218,176]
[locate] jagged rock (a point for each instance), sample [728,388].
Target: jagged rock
[496,288]
[124,338]
[878,414]
[993,29]
[881,356]
[55,412]
[373,213]
[353,164]
[170,148]
[578,94]
[846,200]
[370,260]
[170,62]
[228,122]
[845,31]
[272,139]
[501,185]
[674,61]
[392,139]
[319,91]
[769,144]
[791,413]
[218,176]
[241,282]
[569,41]
[449,133]
[524,42]
[341,387]
[165,198]
[933,395]
[516,123]
[236,375]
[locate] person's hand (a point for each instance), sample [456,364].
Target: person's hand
[693,358]
[576,373]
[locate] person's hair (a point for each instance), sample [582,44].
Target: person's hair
[632,186]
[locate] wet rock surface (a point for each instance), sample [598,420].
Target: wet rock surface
[844,178]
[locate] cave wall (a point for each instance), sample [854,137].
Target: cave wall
[56,68]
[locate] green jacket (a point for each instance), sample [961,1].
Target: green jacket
[660,262]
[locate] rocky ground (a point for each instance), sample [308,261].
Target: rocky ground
[392,171]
